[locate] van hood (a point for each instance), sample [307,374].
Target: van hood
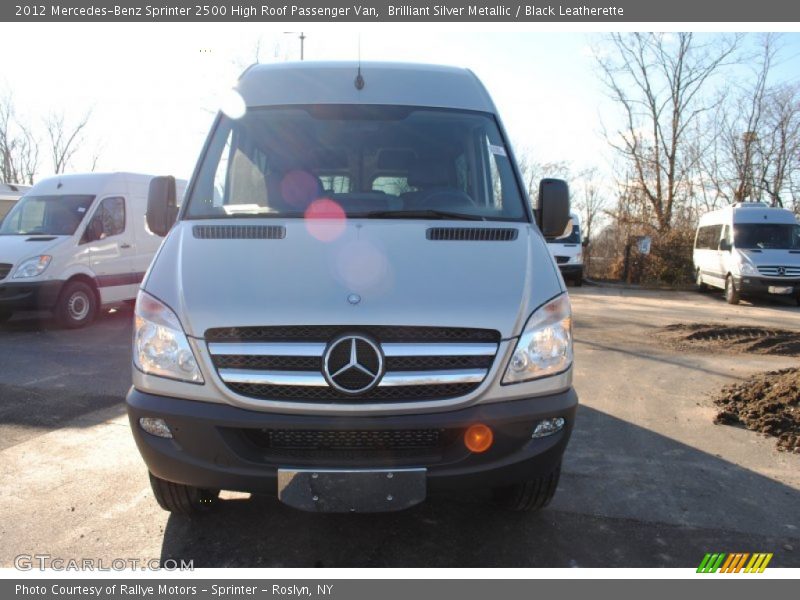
[312,276]
[16,248]
[766,257]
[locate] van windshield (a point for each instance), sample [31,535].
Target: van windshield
[46,215]
[359,161]
[772,236]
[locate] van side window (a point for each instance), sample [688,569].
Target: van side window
[108,220]
[708,237]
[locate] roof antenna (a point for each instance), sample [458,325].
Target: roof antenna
[359,78]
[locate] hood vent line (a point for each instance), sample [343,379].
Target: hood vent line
[471,234]
[239,232]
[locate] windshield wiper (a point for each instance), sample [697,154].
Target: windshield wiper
[419,214]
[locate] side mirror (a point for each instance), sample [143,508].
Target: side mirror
[553,209]
[162,209]
[585,242]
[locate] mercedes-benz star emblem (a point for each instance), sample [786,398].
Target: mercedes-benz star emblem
[781,271]
[353,364]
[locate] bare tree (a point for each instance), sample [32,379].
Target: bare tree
[533,170]
[19,148]
[752,150]
[65,139]
[590,203]
[659,81]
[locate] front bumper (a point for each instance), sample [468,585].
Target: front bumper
[31,295]
[759,286]
[571,271]
[212,443]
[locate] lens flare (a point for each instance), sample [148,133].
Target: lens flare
[325,220]
[363,267]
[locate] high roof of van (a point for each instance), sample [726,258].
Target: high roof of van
[401,84]
[83,183]
[754,212]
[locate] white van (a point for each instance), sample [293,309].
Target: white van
[748,248]
[567,250]
[74,243]
[356,304]
[9,194]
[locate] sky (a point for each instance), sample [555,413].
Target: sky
[153,89]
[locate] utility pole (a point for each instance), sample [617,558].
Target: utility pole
[302,41]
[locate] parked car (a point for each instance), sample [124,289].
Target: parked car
[74,243]
[9,194]
[748,248]
[356,304]
[567,249]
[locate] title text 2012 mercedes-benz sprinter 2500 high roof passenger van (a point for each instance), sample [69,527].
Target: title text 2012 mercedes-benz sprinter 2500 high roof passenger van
[748,248]
[356,304]
[74,243]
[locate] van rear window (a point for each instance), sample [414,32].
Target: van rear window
[372,161]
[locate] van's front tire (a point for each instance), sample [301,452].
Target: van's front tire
[731,293]
[182,499]
[77,305]
[528,496]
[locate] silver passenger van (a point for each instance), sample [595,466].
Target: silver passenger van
[748,249]
[355,304]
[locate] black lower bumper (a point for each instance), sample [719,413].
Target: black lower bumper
[213,444]
[36,295]
[760,286]
[571,271]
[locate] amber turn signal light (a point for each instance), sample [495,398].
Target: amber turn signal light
[478,438]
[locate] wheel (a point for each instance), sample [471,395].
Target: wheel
[578,281]
[731,293]
[182,499]
[5,315]
[529,496]
[701,285]
[77,305]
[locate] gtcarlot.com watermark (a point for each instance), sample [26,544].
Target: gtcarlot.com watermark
[42,562]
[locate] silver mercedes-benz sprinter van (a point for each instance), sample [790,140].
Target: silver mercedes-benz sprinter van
[355,304]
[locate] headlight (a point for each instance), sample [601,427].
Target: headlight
[545,346]
[748,269]
[160,346]
[32,267]
[576,259]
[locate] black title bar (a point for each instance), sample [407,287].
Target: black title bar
[601,11]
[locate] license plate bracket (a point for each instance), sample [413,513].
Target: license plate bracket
[354,490]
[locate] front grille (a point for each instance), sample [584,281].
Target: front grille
[471,234]
[308,393]
[562,259]
[318,364]
[5,269]
[779,271]
[325,333]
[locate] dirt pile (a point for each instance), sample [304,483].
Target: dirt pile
[731,339]
[768,403]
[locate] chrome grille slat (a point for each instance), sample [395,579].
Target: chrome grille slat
[315,379]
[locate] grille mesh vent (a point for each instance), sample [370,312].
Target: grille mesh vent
[239,232]
[324,333]
[471,234]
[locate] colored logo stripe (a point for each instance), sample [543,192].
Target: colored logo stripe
[734,563]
